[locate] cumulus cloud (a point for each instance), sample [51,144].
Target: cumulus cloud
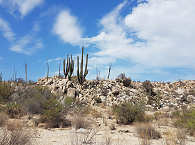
[6,30]
[67,28]
[158,33]
[23,6]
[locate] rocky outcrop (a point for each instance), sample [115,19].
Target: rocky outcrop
[169,95]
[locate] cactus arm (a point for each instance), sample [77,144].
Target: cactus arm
[81,73]
[78,74]
[86,70]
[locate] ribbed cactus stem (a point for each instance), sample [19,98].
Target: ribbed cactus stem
[71,67]
[78,73]
[81,73]
[86,70]
[64,67]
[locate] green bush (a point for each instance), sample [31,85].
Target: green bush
[14,110]
[68,101]
[125,80]
[186,119]
[147,85]
[53,113]
[126,113]
[5,91]
[33,98]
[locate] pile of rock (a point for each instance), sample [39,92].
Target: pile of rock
[172,95]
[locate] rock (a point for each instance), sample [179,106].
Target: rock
[71,92]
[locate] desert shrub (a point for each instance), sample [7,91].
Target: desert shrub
[155,100]
[17,136]
[186,119]
[148,118]
[128,112]
[68,101]
[5,91]
[175,137]
[147,131]
[98,100]
[3,119]
[148,88]
[33,98]
[78,121]
[53,114]
[14,110]
[125,80]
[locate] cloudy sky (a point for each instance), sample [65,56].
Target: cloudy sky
[145,39]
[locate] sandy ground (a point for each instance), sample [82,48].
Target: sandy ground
[122,136]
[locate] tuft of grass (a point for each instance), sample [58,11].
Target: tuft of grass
[3,119]
[14,110]
[146,130]
[17,136]
[127,113]
[78,121]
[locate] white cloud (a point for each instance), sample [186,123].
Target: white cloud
[6,30]
[67,28]
[165,26]
[55,59]
[26,45]
[23,6]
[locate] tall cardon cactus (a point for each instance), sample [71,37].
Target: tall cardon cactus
[68,67]
[80,74]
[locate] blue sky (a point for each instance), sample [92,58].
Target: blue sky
[145,39]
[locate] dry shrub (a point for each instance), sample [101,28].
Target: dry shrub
[17,136]
[127,113]
[87,137]
[14,110]
[181,136]
[95,113]
[175,137]
[53,114]
[78,121]
[146,130]
[3,118]
[148,118]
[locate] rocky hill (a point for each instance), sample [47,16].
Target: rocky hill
[156,95]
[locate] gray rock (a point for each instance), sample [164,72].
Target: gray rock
[71,92]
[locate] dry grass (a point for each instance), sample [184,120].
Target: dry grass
[85,138]
[78,121]
[146,130]
[175,137]
[17,136]
[3,119]
[14,125]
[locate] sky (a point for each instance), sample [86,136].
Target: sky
[145,39]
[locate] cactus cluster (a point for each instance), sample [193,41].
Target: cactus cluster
[82,74]
[68,67]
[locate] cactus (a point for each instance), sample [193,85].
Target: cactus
[68,67]
[81,77]
[71,67]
